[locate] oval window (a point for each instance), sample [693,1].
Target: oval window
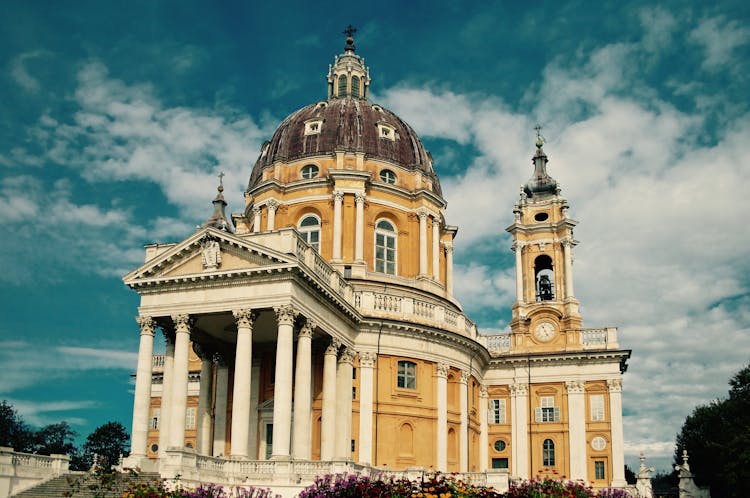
[388,176]
[309,171]
[541,216]
[499,445]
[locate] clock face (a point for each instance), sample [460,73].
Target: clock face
[544,331]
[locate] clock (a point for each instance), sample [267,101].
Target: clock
[544,331]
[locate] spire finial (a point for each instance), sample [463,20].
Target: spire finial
[539,138]
[221,176]
[349,32]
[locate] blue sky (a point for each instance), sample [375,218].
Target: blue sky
[116,117]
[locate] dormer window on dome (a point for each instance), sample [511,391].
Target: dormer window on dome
[313,126]
[387,131]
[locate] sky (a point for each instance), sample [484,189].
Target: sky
[116,118]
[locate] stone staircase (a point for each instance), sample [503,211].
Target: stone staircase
[88,486]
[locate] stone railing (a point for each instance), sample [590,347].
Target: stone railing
[157,362]
[583,339]
[414,310]
[19,471]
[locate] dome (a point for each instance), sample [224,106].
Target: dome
[351,125]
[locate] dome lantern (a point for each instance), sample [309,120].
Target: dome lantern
[348,77]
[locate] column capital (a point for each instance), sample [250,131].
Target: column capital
[437,219]
[347,356]
[359,197]
[147,325]
[465,376]
[614,385]
[423,214]
[447,246]
[338,195]
[517,246]
[285,314]
[333,348]
[182,322]
[244,317]
[442,369]
[367,359]
[575,387]
[483,392]
[519,389]
[256,210]
[307,328]
[272,204]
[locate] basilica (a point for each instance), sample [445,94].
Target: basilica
[317,330]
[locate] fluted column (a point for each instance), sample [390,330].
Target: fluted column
[203,425]
[272,206]
[464,435]
[366,365]
[483,429]
[436,247]
[568,258]
[242,377]
[220,406]
[282,391]
[519,436]
[577,429]
[518,248]
[180,381]
[442,418]
[344,405]
[328,411]
[338,199]
[359,227]
[422,243]
[142,398]
[302,394]
[448,246]
[166,392]
[618,449]
[256,219]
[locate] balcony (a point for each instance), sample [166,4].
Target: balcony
[577,340]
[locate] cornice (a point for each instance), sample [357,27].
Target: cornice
[588,355]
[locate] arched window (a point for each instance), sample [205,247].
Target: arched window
[355,86]
[544,278]
[406,440]
[309,171]
[342,85]
[388,176]
[548,453]
[309,228]
[385,247]
[407,375]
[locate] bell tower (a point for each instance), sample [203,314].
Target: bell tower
[546,308]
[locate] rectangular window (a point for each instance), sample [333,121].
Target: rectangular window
[155,415]
[407,375]
[354,445]
[499,463]
[599,470]
[547,411]
[597,407]
[354,373]
[354,393]
[497,411]
[190,418]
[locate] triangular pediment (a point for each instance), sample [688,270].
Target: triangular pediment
[208,252]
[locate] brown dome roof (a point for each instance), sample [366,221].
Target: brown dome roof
[347,124]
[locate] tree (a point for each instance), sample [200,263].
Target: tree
[55,438]
[108,442]
[14,432]
[717,439]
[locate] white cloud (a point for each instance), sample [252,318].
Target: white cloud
[20,73]
[39,414]
[719,38]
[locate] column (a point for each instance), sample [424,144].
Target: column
[577,429]
[142,398]
[338,199]
[519,430]
[166,392]
[203,439]
[366,365]
[518,248]
[302,393]
[179,381]
[256,219]
[242,377]
[282,391]
[483,429]
[436,247]
[618,449]
[567,244]
[328,411]
[359,234]
[463,439]
[448,246]
[252,448]
[344,405]
[272,206]
[442,418]
[422,243]
[220,406]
